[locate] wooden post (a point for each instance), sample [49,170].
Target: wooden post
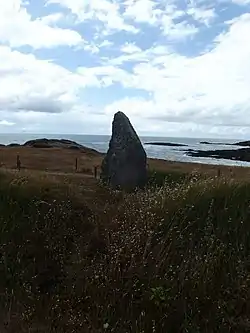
[231,173]
[76,164]
[218,173]
[18,163]
[95,171]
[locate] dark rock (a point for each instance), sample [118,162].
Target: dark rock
[168,144]
[14,145]
[52,143]
[124,165]
[74,147]
[215,143]
[40,145]
[243,143]
[59,143]
[242,154]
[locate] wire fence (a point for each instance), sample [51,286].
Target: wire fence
[77,167]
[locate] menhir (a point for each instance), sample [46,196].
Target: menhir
[125,164]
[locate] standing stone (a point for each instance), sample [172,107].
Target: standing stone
[124,165]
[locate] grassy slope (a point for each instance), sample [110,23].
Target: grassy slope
[78,258]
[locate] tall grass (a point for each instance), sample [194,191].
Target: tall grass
[172,258]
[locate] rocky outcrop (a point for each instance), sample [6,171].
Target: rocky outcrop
[59,143]
[243,143]
[167,144]
[52,143]
[215,143]
[13,145]
[242,154]
[124,165]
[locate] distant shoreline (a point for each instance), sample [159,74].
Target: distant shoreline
[238,157]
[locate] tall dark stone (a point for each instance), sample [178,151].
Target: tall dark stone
[124,165]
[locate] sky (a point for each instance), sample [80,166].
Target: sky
[174,67]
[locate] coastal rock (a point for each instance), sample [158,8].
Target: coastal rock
[13,145]
[243,143]
[242,154]
[124,165]
[215,143]
[206,143]
[167,144]
[59,143]
[52,143]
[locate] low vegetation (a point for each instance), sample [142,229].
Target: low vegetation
[76,257]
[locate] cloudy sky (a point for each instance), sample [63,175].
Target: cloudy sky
[175,67]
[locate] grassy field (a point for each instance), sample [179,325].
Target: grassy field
[77,257]
[64,160]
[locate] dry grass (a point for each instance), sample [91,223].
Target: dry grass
[63,160]
[230,172]
[77,257]
[50,159]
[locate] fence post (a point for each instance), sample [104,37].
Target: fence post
[76,164]
[18,163]
[231,173]
[218,173]
[95,172]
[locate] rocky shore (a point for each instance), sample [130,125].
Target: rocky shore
[242,154]
[167,144]
[241,143]
[53,143]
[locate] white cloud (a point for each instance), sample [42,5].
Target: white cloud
[130,48]
[104,11]
[6,123]
[202,15]
[51,18]
[126,15]
[192,92]
[177,31]
[92,48]
[17,28]
[142,10]
[149,11]
[154,53]
[106,43]
[211,88]
[241,2]
[30,84]
[104,76]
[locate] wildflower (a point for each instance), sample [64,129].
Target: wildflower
[106,325]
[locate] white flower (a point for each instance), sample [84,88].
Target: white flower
[105,326]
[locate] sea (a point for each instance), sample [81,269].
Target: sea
[100,143]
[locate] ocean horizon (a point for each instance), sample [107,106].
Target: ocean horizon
[101,142]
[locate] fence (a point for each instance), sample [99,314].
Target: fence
[77,167]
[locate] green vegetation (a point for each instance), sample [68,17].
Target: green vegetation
[161,178]
[172,258]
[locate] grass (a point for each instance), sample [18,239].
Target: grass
[76,257]
[55,160]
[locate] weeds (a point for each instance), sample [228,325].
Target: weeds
[172,258]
